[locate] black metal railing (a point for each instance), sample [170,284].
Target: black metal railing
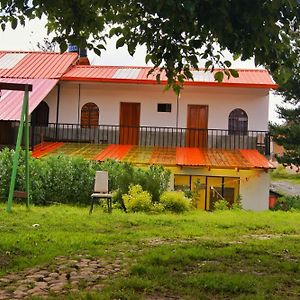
[153,136]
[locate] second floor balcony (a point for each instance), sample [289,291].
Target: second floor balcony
[149,136]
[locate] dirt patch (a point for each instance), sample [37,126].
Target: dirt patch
[169,241]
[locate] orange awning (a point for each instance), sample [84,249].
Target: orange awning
[183,157]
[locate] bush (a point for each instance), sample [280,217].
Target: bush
[137,200]
[282,172]
[287,203]
[221,205]
[185,189]
[59,178]
[175,202]
[65,179]
[154,180]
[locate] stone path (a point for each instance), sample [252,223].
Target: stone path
[61,277]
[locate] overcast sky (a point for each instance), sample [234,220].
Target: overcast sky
[26,38]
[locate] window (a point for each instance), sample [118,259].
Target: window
[238,122]
[89,115]
[164,107]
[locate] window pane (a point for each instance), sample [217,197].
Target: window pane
[238,122]
[164,107]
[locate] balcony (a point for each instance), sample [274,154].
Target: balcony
[153,136]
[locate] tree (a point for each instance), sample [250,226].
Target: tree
[288,133]
[47,45]
[178,34]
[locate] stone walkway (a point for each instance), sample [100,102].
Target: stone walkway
[61,277]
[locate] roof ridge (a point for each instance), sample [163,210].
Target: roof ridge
[37,52]
[147,67]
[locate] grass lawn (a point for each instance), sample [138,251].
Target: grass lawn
[281,173]
[198,255]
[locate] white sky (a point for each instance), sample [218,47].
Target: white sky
[26,38]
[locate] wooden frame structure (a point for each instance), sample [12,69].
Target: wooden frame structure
[23,125]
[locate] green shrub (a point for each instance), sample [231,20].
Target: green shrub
[65,179]
[221,205]
[59,178]
[137,200]
[185,189]
[175,202]
[287,203]
[282,172]
[155,180]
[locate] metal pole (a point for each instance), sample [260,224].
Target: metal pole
[16,155]
[26,99]
[57,111]
[177,109]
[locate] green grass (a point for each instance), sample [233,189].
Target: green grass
[198,255]
[280,173]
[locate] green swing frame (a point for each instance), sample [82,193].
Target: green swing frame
[24,124]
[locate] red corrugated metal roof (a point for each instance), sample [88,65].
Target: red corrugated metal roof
[45,148]
[11,101]
[247,78]
[37,64]
[222,159]
[256,159]
[191,156]
[163,156]
[183,157]
[114,152]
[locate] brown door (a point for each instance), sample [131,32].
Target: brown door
[197,120]
[129,123]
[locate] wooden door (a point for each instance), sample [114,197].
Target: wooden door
[129,123]
[197,120]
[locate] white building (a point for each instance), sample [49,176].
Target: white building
[209,134]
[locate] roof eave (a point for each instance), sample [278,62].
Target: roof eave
[150,81]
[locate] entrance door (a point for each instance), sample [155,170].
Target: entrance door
[6,133]
[197,121]
[40,115]
[129,123]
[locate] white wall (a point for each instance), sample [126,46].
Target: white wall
[51,100]
[255,190]
[107,96]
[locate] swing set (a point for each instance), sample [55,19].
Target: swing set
[24,125]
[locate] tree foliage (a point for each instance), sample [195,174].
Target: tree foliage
[177,34]
[288,133]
